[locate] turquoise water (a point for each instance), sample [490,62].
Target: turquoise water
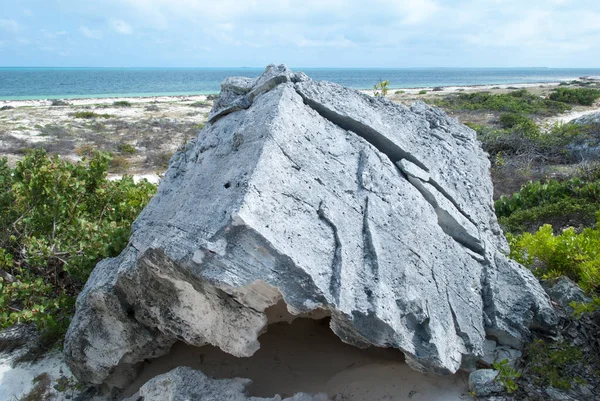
[51,83]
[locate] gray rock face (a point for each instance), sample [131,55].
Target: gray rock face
[187,384]
[483,383]
[337,203]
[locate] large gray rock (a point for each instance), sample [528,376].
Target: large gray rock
[337,203]
[187,384]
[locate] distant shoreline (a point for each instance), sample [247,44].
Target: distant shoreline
[104,98]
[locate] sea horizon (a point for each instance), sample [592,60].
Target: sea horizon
[36,83]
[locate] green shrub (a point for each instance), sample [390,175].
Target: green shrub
[510,120]
[199,104]
[119,164]
[382,86]
[422,92]
[519,101]
[576,256]
[563,213]
[122,103]
[555,364]
[582,96]
[91,114]
[507,375]
[537,194]
[398,92]
[58,102]
[57,220]
[127,148]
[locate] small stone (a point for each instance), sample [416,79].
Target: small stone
[483,383]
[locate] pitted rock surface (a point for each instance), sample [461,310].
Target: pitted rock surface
[376,214]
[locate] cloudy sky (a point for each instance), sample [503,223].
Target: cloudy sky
[300,33]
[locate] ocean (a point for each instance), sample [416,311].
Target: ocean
[67,83]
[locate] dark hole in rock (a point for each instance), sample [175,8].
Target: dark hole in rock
[306,356]
[227,185]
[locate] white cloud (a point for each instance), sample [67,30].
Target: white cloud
[120,26]
[52,35]
[90,33]
[10,25]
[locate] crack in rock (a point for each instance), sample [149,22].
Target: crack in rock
[446,209]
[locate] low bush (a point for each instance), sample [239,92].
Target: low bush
[578,213]
[126,148]
[90,114]
[57,220]
[159,159]
[581,96]
[523,138]
[119,164]
[398,92]
[199,104]
[538,194]
[576,256]
[510,120]
[519,101]
[555,364]
[122,103]
[58,102]
[422,92]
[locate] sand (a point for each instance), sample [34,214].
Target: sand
[306,356]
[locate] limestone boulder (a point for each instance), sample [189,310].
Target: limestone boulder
[334,202]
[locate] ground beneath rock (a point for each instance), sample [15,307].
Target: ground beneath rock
[306,356]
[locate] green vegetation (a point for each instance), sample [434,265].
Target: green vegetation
[582,96]
[57,220]
[507,375]
[382,86]
[58,102]
[91,114]
[398,92]
[127,148]
[524,139]
[422,92]
[519,101]
[555,364]
[539,194]
[122,103]
[119,164]
[570,254]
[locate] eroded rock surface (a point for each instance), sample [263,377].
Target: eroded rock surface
[376,214]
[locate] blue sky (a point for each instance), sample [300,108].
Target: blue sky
[307,33]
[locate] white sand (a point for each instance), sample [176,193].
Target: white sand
[572,115]
[106,100]
[18,381]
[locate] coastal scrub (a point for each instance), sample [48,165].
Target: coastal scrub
[57,220]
